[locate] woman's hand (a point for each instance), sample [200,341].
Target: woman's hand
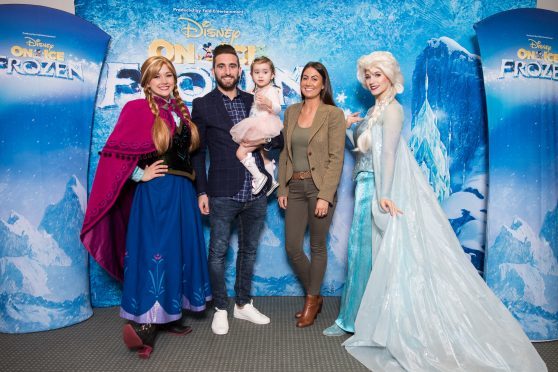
[282,200]
[352,118]
[321,208]
[264,102]
[157,169]
[388,205]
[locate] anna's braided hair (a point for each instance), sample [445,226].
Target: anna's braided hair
[160,131]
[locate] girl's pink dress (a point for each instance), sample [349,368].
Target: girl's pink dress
[260,123]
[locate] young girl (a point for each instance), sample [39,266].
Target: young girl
[263,122]
[142,222]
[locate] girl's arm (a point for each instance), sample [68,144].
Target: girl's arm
[270,100]
[275,98]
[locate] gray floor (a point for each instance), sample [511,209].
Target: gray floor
[96,345]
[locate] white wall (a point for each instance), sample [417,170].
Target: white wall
[548,4]
[65,5]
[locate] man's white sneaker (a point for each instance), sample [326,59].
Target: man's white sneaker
[250,313]
[220,323]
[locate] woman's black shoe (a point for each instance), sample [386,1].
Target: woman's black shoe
[176,328]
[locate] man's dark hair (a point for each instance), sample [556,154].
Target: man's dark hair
[224,49]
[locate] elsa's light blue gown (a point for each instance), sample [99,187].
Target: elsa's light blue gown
[425,308]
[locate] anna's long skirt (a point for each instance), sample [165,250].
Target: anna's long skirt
[359,252]
[165,266]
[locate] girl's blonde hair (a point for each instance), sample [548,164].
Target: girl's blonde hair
[160,131]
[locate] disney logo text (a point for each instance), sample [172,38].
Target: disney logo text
[38,43]
[536,44]
[194,29]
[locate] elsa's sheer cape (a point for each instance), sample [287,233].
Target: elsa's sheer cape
[425,307]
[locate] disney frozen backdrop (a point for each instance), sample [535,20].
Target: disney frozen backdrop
[445,118]
[445,124]
[443,98]
[50,63]
[520,63]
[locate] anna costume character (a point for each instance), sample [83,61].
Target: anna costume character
[149,234]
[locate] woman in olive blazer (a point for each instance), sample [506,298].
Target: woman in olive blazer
[310,167]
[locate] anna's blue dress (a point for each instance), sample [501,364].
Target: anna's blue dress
[165,265]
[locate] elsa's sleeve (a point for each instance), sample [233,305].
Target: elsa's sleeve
[391,134]
[350,133]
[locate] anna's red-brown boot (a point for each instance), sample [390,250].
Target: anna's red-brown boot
[140,337]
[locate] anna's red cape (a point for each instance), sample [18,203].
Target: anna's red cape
[106,219]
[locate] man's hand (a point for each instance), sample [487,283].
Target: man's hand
[254,143]
[203,204]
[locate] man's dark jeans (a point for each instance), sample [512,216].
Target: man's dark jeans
[251,217]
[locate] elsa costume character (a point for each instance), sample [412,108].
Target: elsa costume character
[425,307]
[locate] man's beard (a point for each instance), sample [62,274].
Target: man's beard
[227,87]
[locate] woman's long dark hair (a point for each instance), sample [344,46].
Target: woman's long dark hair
[326,94]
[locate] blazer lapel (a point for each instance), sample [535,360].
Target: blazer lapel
[220,106]
[293,122]
[319,121]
